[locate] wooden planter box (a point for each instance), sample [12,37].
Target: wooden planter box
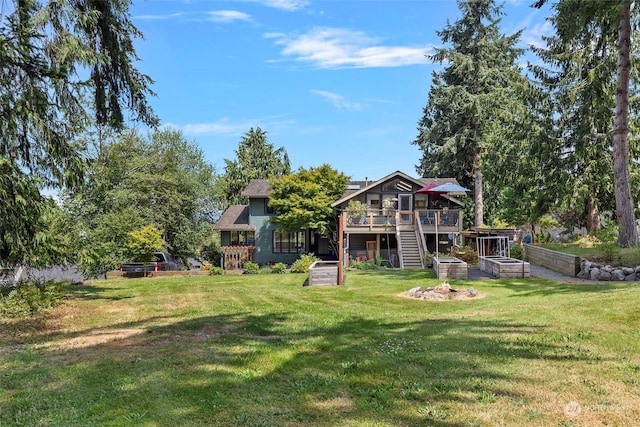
[323,273]
[504,267]
[450,268]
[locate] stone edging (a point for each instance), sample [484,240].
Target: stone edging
[593,271]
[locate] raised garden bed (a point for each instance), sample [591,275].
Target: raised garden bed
[323,273]
[504,267]
[450,268]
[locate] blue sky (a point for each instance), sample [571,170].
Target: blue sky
[341,82]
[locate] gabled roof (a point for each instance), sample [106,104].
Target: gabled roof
[351,193]
[258,188]
[235,218]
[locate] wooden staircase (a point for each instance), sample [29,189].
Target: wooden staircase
[410,251]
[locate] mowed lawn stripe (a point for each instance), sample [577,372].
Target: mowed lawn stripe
[264,350]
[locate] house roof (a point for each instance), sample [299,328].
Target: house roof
[258,188]
[365,186]
[235,218]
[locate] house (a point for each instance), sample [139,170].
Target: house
[246,233]
[403,219]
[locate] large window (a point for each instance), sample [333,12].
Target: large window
[243,238]
[289,243]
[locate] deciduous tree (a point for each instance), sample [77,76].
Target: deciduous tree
[160,180]
[303,199]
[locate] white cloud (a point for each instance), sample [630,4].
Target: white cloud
[290,5]
[226,127]
[338,101]
[341,48]
[228,16]
[533,37]
[162,17]
[225,16]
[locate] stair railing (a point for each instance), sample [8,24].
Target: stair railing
[399,240]
[422,244]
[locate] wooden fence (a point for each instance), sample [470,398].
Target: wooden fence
[236,256]
[563,263]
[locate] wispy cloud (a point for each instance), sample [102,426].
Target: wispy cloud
[228,16]
[227,127]
[290,5]
[337,100]
[326,47]
[533,36]
[224,16]
[178,15]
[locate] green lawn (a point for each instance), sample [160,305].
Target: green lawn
[265,351]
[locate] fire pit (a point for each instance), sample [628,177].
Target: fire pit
[443,292]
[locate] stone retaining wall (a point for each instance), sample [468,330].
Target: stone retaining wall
[563,263]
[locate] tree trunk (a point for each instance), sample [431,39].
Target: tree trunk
[479,211]
[624,200]
[593,214]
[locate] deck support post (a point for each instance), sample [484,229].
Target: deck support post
[340,249]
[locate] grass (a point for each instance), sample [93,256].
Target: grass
[262,350]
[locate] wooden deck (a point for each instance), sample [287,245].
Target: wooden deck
[386,221]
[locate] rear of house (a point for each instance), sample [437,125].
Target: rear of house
[403,220]
[247,234]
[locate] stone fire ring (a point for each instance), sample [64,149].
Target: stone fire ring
[443,292]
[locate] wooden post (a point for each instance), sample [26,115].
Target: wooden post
[340,250]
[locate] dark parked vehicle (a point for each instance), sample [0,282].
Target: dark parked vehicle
[164,262]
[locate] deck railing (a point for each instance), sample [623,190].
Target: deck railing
[236,256]
[446,220]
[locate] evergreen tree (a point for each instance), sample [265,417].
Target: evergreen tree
[255,159]
[604,27]
[46,101]
[580,84]
[467,96]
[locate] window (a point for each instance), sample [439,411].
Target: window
[289,242]
[396,185]
[243,238]
[268,209]
[374,201]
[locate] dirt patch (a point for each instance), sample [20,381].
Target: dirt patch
[337,404]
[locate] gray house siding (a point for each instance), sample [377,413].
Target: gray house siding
[259,218]
[225,238]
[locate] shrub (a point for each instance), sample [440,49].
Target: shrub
[265,269]
[27,298]
[215,271]
[302,264]
[610,252]
[363,265]
[251,268]
[608,233]
[279,268]
[516,251]
[466,254]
